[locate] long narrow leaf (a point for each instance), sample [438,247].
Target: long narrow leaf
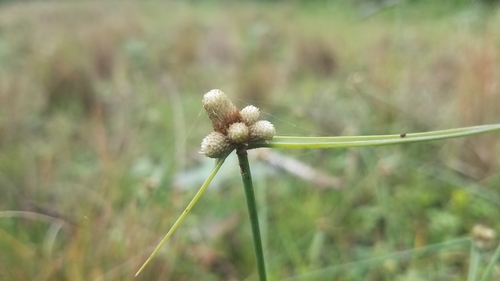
[380,140]
[491,266]
[197,196]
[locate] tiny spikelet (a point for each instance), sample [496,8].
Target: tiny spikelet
[262,130]
[215,145]
[250,115]
[221,111]
[238,133]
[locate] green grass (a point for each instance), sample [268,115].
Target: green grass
[101,121]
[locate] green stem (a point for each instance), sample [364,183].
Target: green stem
[252,211]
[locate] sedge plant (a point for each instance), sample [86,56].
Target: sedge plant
[241,130]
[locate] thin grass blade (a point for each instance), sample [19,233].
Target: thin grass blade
[491,266]
[197,196]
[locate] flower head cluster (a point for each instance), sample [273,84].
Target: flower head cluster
[232,128]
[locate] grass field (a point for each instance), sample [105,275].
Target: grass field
[101,123]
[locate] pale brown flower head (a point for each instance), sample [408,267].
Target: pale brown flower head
[238,133]
[221,111]
[262,130]
[215,145]
[232,128]
[250,114]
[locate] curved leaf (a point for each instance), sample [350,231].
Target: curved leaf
[197,196]
[360,141]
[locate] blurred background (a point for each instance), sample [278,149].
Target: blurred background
[101,122]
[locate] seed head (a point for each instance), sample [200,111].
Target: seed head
[238,133]
[262,130]
[215,145]
[250,115]
[232,128]
[221,111]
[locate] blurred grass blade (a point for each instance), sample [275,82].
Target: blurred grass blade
[491,265]
[380,140]
[474,260]
[197,196]
[329,272]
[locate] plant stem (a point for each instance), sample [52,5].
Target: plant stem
[252,211]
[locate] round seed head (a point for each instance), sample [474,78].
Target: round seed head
[238,133]
[262,130]
[215,145]
[250,114]
[221,111]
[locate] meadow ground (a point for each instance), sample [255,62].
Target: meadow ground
[101,122]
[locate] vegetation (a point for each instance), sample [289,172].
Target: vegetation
[100,126]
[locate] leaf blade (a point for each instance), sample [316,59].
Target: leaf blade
[193,201]
[378,140]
